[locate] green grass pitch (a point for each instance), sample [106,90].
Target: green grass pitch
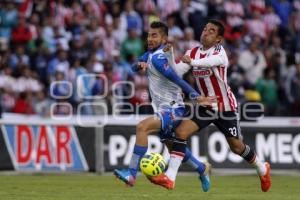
[93,187]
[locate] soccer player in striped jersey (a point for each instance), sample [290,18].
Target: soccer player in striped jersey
[165,86]
[209,64]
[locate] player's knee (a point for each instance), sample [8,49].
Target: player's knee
[180,133]
[236,149]
[141,129]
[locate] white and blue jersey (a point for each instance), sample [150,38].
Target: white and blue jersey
[165,87]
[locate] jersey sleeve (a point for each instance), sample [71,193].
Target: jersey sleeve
[160,62]
[135,67]
[216,59]
[180,68]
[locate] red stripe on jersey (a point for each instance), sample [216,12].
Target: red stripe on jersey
[218,93]
[221,70]
[202,55]
[193,52]
[230,97]
[201,80]
[203,86]
[233,103]
[177,153]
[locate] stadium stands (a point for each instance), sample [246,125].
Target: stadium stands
[45,45]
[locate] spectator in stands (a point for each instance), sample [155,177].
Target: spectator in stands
[271,20]
[119,33]
[79,48]
[59,62]
[293,89]
[26,82]
[39,61]
[9,19]
[24,104]
[257,5]
[140,100]
[132,45]
[21,34]
[252,61]
[109,42]
[283,8]
[234,19]
[268,90]
[256,26]
[95,30]
[167,7]
[7,82]
[296,24]
[19,57]
[60,88]
[132,18]
[236,77]
[174,30]
[89,33]
[121,67]
[188,41]
[42,104]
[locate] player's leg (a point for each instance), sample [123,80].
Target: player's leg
[231,129]
[146,127]
[167,179]
[202,168]
[262,168]
[170,120]
[186,128]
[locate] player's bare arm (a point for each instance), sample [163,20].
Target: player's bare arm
[210,61]
[206,101]
[186,59]
[142,65]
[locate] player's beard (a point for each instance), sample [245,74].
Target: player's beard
[154,45]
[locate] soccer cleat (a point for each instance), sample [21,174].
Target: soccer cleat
[204,178]
[265,180]
[163,181]
[125,176]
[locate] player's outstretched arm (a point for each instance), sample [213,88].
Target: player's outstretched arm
[210,61]
[160,63]
[140,64]
[181,67]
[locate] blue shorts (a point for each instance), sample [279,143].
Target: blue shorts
[170,118]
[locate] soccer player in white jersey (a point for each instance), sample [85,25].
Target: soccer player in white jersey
[165,86]
[209,64]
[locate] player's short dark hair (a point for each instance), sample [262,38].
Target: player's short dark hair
[219,24]
[160,25]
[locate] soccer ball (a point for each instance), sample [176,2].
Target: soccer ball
[152,164]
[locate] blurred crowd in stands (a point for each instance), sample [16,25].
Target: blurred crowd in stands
[74,56]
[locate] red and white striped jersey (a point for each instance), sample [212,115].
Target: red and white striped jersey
[210,72]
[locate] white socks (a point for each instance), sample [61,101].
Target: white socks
[260,166]
[174,164]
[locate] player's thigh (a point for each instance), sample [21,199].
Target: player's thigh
[150,125]
[228,123]
[170,119]
[185,129]
[202,116]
